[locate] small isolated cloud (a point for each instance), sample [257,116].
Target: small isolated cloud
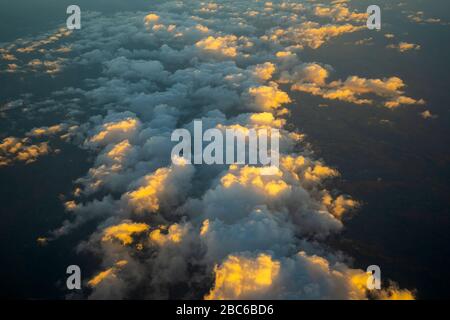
[339,12]
[311,78]
[404,46]
[428,115]
[123,232]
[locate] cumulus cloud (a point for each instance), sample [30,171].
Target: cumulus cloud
[264,71]
[311,78]
[161,188]
[306,73]
[13,149]
[339,12]
[222,45]
[302,276]
[23,53]
[115,131]
[404,46]
[309,33]
[269,97]
[123,232]
[420,18]
[428,115]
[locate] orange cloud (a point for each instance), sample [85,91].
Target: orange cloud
[239,277]
[124,232]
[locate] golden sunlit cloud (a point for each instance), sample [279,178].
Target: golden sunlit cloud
[404,46]
[174,235]
[124,232]
[168,228]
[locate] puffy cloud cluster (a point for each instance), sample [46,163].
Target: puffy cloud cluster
[161,188]
[62,130]
[309,33]
[21,56]
[31,147]
[239,277]
[306,73]
[124,232]
[14,149]
[222,45]
[302,276]
[169,230]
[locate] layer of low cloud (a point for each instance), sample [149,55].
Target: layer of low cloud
[217,232]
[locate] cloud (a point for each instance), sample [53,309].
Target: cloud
[268,97]
[252,232]
[48,131]
[306,73]
[302,277]
[339,12]
[14,149]
[162,188]
[115,131]
[151,18]
[174,235]
[366,41]
[419,17]
[8,57]
[402,100]
[24,51]
[135,69]
[225,46]
[239,277]
[310,34]
[428,115]
[108,275]
[124,232]
[353,89]
[404,46]
[264,71]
